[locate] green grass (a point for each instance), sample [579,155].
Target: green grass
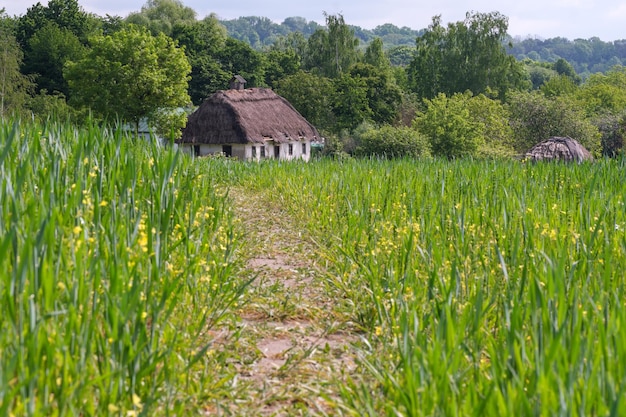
[484,288]
[479,287]
[117,258]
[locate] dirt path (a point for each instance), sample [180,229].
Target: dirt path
[294,344]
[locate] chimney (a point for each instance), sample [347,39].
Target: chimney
[237,83]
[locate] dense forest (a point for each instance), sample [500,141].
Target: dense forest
[461,89]
[587,56]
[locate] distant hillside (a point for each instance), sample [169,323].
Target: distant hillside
[260,32]
[586,55]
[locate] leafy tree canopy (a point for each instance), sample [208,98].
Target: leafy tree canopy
[160,16]
[467,55]
[332,51]
[449,126]
[131,75]
[66,14]
[604,93]
[311,95]
[535,117]
[13,84]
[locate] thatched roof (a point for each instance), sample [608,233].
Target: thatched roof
[559,148]
[246,116]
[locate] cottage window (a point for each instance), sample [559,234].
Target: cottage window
[254,151]
[263,151]
[291,149]
[304,148]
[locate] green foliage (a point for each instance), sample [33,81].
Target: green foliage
[50,36]
[116,259]
[612,127]
[604,93]
[483,288]
[535,117]
[168,123]
[160,16]
[311,95]
[49,49]
[46,106]
[65,14]
[494,120]
[375,55]
[560,85]
[130,74]
[466,55]
[203,41]
[333,51]
[350,104]
[238,58]
[564,68]
[14,86]
[392,142]
[586,56]
[400,56]
[382,94]
[449,126]
[280,64]
[539,73]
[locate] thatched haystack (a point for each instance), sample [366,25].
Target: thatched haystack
[559,148]
[244,116]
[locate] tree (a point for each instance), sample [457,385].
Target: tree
[466,55]
[400,56]
[613,130]
[237,57]
[493,117]
[562,67]
[280,64]
[350,102]
[560,85]
[333,51]
[449,126]
[382,94]
[49,49]
[535,117]
[160,16]
[538,72]
[375,55]
[392,142]
[66,14]
[51,35]
[203,42]
[13,85]
[311,95]
[131,75]
[604,93]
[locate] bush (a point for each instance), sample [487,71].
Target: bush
[535,117]
[392,142]
[450,127]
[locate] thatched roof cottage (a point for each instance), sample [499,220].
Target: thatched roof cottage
[249,124]
[559,148]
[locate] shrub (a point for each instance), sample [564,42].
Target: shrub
[448,124]
[535,117]
[392,142]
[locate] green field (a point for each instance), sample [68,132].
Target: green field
[471,288]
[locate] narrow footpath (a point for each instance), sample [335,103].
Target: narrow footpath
[297,346]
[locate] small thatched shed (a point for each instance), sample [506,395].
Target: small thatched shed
[250,124]
[559,148]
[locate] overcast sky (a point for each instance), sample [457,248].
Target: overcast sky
[570,19]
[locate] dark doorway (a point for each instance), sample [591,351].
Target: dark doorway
[277,151]
[227,150]
[196,150]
